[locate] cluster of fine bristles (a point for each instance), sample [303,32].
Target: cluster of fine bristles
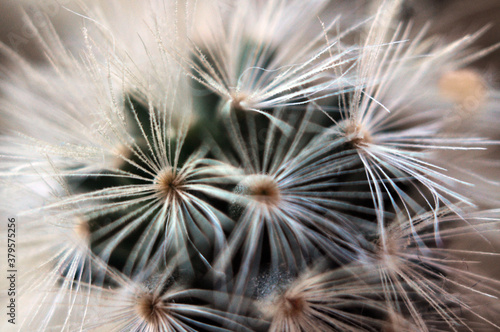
[250,165]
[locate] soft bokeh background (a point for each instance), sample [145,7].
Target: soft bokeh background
[450,18]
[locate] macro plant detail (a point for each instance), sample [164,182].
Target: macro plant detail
[278,165]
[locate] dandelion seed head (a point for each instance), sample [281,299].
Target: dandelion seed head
[168,183]
[357,133]
[150,308]
[264,189]
[239,101]
[290,304]
[146,171]
[323,301]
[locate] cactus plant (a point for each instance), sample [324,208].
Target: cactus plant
[279,165]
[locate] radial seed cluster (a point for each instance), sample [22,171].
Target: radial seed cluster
[250,165]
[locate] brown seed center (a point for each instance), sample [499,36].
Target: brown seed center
[168,183]
[264,189]
[149,308]
[236,101]
[357,134]
[294,305]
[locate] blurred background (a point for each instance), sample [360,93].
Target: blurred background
[448,18]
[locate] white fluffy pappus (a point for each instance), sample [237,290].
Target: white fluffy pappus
[54,261]
[321,299]
[290,200]
[396,122]
[156,301]
[259,55]
[417,272]
[228,137]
